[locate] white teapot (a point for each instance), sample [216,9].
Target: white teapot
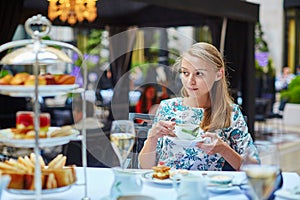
[127,182]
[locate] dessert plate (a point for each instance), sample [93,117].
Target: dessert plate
[222,189]
[6,137]
[148,178]
[221,183]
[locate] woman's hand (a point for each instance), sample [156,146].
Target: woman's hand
[162,128]
[215,146]
[147,156]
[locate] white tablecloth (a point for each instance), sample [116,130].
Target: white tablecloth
[100,180]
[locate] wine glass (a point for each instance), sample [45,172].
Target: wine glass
[122,136]
[262,176]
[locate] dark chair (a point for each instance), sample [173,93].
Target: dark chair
[99,150]
[261,114]
[141,134]
[279,116]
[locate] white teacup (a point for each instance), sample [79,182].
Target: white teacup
[187,131]
[191,188]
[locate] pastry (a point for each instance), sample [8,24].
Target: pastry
[49,79]
[21,171]
[58,162]
[50,181]
[25,126]
[16,179]
[19,78]
[41,160]
[6,79]
[64,79]
[31,80]
[64,176]
[64,131]
[161,171]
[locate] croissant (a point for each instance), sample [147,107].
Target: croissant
[6,79]
[19,78]
[64,79]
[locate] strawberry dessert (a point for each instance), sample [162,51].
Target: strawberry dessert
[25,121]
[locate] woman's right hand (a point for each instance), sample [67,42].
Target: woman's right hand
[147,156]
[162,128]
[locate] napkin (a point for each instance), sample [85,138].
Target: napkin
[291,194]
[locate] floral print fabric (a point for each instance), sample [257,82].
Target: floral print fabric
[182,154]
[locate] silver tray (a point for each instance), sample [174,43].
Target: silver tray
[6,137]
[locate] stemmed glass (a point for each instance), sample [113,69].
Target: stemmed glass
[122,137]
[262,176]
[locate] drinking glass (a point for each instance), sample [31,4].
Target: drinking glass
[262,176]
[122,136]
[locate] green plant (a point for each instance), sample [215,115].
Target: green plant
[93,48]
[3,73]
[263,62]
[292,94]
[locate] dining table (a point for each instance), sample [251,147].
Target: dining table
[99,182]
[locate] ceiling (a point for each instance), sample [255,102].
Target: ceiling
[160,13]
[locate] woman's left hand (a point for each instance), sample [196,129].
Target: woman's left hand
[215,145]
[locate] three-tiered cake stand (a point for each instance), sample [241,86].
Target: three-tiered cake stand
[36,52]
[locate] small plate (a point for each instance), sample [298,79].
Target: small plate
[148,177]
[221,179]
[222,189]
[32,192]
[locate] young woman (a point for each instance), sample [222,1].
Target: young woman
[148,99]
[206,102]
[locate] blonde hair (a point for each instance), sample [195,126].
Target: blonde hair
[219,114]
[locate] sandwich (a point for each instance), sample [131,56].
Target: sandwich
[53,175]
[161,171]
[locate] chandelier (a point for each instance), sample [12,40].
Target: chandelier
[72,10]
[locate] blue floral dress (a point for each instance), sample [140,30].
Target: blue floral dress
[181,154]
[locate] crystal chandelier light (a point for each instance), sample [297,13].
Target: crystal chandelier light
[72,10]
